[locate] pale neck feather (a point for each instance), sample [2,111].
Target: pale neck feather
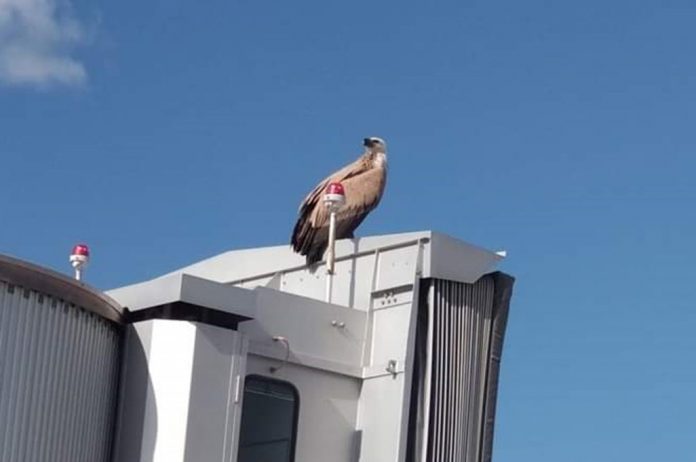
[380,160]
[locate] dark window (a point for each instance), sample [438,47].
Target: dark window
[269,421]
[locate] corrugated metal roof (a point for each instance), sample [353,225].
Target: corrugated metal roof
[22,273]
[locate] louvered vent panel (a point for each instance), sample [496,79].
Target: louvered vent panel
[58,379]
[461,338]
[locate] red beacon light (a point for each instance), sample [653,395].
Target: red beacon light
[335,196]
[79,259]
[336,188]
[334,199]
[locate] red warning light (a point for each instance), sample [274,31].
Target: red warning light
[81,249]
[336,188]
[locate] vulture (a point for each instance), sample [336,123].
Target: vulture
[363,182]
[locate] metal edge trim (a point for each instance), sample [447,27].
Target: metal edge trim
[49,282]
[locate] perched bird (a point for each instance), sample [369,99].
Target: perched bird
[363,181]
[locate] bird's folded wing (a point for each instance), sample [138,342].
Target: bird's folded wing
[363,192]
[350,170]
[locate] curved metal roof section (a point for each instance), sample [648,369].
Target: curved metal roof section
[444,257]
[54,284]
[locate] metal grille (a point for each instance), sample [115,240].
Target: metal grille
[460,333]
[58,379]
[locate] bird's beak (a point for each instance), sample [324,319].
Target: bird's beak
[367,142]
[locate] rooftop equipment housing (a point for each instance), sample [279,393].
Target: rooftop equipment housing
[239,357]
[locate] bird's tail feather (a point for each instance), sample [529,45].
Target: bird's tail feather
[316,253]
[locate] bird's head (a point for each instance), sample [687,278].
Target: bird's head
[375,144]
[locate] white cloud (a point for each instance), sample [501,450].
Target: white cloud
[36,37]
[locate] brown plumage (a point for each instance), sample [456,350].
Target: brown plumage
[363,181]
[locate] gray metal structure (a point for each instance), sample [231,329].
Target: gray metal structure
[401,365]
[59,361]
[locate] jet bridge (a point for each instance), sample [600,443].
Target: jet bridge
[242,357]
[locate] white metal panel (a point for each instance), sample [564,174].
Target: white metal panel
[358,273]
[180,400]
[390,339]
[58,376]
[381,418]
[303,282]
[188,289]
[349,272]
[246,264]
[330,334]
[455,260]
[362,280]
[216,401]
[171,367]
[363,265]
[396,266]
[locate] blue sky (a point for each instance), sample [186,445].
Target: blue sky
[164,132]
